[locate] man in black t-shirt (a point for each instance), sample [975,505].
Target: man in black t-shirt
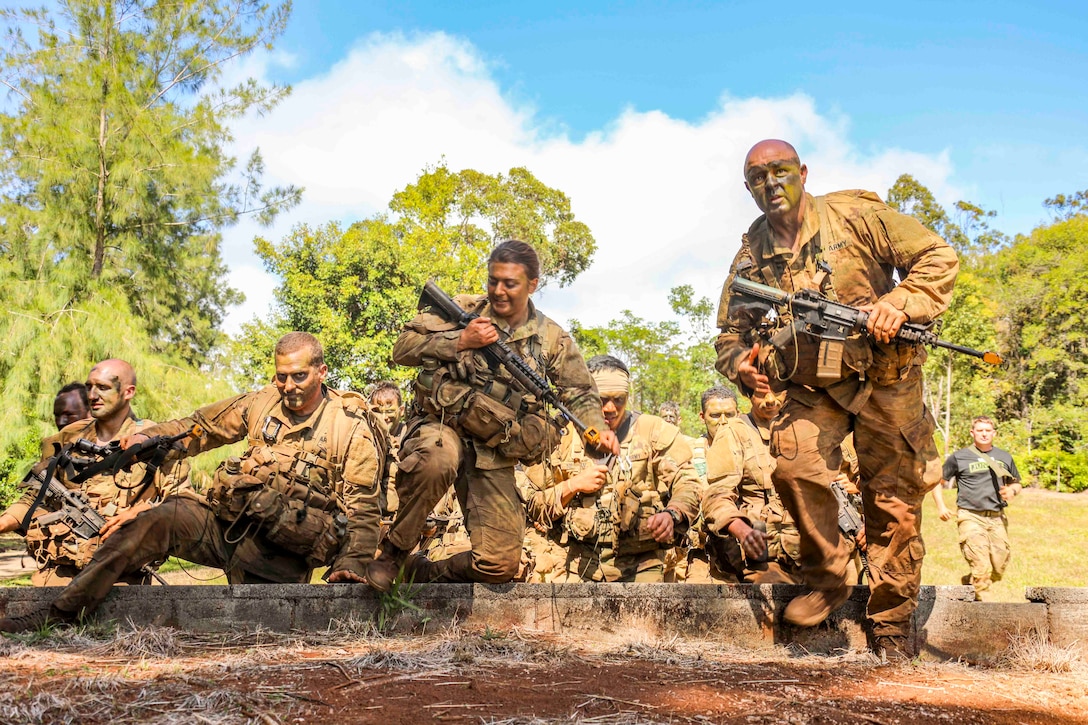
[987,479]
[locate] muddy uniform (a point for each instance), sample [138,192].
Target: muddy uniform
[688,561]
[471,424]
[58,552]
[388,499]
[739,471]
[876,391]
[304,494]
[604,533]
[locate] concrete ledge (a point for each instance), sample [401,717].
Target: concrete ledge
[948,624]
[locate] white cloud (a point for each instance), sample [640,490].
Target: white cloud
[663,197]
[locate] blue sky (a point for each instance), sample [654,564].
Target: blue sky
[980,101]
[987,81]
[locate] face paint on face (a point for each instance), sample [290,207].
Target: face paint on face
[68,408]
[613,407]
[776,179]
[388,410]
[299,381]
[104,393]
[508,290]
[767,406]
[718,410]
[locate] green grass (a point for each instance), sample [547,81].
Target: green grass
[1047,531]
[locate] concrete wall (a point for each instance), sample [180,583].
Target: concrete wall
[948,623]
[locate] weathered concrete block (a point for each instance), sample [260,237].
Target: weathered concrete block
[1067,614]
[975,631]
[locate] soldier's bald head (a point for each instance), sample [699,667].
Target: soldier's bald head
[768,149]
[117,368]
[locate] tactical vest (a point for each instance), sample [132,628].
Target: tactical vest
[615,517]
[291,491]
[485,402]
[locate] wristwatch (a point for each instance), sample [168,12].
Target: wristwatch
[677,518]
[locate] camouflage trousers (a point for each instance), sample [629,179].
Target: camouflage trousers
[588,564]
[893,436]
[63,574]
[183,527]
[984,541]
[434,457]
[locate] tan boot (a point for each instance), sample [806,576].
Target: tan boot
[893,648]
[815,606]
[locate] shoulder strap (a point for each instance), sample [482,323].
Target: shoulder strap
[998,471]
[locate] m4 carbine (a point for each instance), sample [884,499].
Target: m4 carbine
[499,353]
[850,522]
[834,321]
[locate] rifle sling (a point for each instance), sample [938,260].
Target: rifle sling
[998,472]
[49,471]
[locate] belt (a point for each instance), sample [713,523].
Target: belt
[987,514]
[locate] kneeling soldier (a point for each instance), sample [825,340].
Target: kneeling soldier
[304,494]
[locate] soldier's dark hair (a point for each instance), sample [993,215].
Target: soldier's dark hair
[295,341]
[606,362]
[515,251]
[76,388]
[717,392]
[384,390]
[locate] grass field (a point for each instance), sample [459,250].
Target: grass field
[1048,533]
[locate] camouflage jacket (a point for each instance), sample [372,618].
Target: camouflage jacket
[654,468]
[866,243]
[340,451]
[739,468]
[542,343]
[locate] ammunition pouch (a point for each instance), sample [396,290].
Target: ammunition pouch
[296,527]
[488,420]
[56,544]
[229,493]
[589,522]
[634,510]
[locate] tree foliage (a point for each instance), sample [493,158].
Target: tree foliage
[669,361]
[355,288]
[114,160]
[115,184]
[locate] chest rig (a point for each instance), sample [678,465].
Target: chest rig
[614,518]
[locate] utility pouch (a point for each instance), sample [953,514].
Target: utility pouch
[536,437]
[300,529]
[230,492]
[489,420]
[581,521]
[634,513]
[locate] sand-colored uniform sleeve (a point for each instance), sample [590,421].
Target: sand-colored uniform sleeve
[223,422]
[540,486]
[360,481]
[672,466]
[431,335]
[724,472]
[737,317]
[931,264]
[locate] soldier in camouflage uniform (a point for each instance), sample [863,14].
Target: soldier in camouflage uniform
[869,384]
[690,562]
[303,495]
[740,496]
[617,523]
[386,403]
[58,552]
[470,424]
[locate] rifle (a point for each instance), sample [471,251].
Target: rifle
[499,353]
[850,522]
[72,506]
[833,321]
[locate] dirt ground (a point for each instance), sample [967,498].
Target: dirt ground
[354,675]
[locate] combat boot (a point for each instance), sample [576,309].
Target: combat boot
[418,569]
[893,648]
[383,571]
[38,619]
[815,606]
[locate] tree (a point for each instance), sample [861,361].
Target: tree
[356,288]
[666,361]
[113,160]
[114,188]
